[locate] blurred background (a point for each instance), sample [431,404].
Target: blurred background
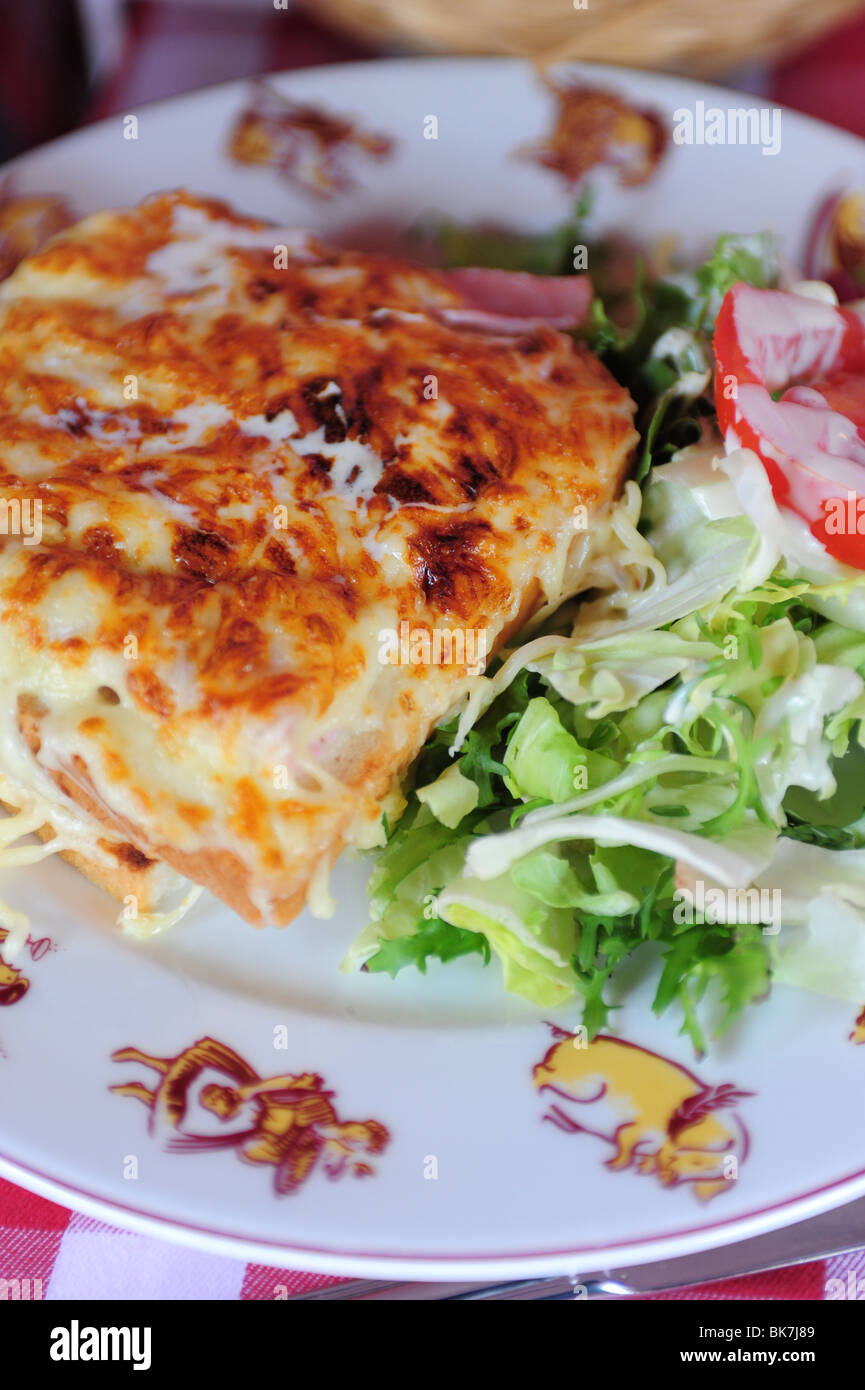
[67,62]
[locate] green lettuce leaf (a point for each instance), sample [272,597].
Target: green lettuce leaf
[433,938]
[450,797]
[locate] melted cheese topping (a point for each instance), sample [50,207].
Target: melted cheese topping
[252,454]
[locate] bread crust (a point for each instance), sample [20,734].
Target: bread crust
[132,876]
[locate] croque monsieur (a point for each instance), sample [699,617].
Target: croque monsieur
[250,454]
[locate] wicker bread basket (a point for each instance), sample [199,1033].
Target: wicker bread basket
[697,36]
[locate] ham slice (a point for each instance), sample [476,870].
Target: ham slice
[512,301]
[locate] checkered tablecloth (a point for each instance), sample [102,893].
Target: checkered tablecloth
[169,48]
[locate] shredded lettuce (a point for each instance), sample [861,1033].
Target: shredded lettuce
[696,733]
[450,797]
[682,742]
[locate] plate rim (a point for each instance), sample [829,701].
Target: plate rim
[348,1263]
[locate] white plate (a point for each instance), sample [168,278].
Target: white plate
[471,1182]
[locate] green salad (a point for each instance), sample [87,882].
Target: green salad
[673,764]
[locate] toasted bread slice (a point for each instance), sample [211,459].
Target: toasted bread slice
[115,866]
[269,508]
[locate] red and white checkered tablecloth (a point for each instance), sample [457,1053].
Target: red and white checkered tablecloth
[66,1255]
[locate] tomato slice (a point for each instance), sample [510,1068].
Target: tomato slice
[790,384]
[846,395]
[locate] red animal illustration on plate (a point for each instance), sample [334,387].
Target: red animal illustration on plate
[659,1117]
[310,146]
[13,984]
[287,1122]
